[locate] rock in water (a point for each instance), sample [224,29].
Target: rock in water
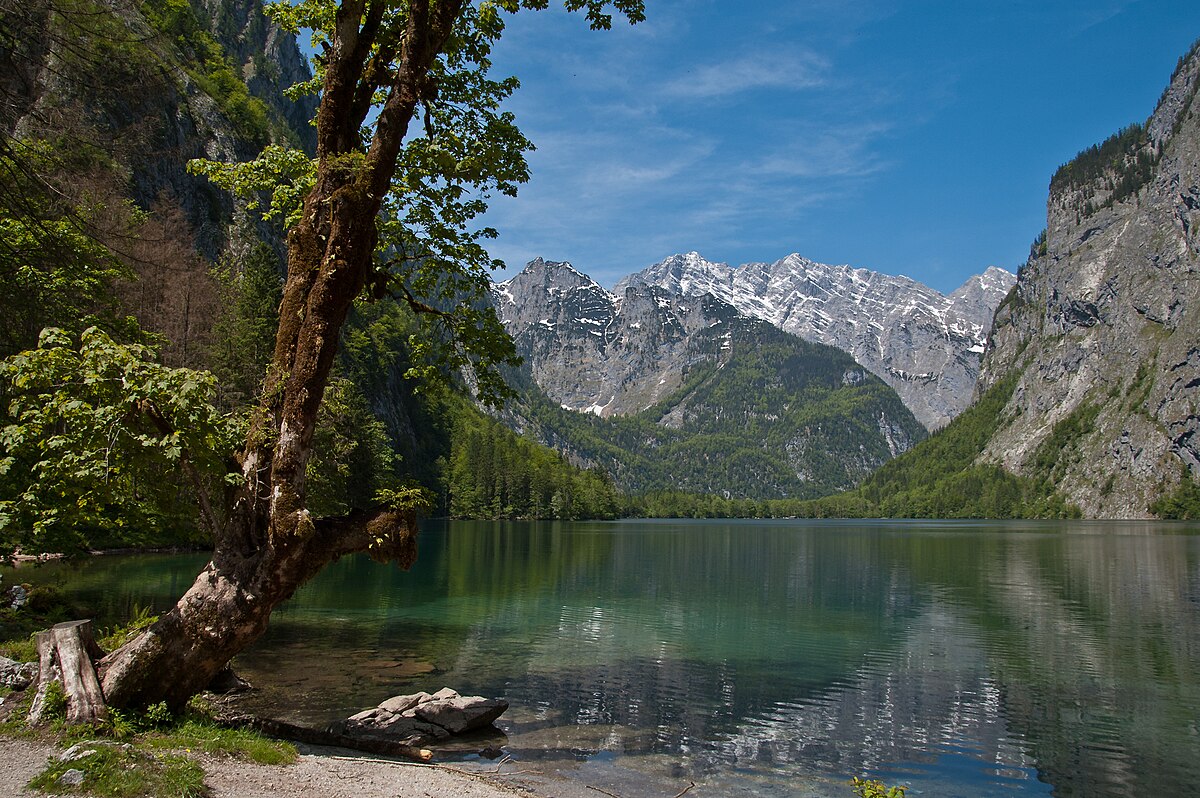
[422,718]
[460,714]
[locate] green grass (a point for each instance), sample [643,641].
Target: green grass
[149,753]
[120,771]
[22,649]
[197,735]
[193,731]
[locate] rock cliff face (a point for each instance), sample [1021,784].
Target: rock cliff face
[106,77]
[1104,322]
[922,343]
[592,352]
[267,58]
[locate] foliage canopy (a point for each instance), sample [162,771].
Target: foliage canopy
[95,440]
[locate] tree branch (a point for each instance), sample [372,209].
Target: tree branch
[160,422]
[374,72]
[418,306]
[387,534]
[429,29]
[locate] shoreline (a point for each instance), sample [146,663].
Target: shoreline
[18,558]
[328,772]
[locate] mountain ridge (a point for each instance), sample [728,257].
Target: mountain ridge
[673,392]
[923,343]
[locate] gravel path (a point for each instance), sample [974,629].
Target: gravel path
[326,776]
[20,761]
[317,774]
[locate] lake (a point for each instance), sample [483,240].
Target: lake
[760,658]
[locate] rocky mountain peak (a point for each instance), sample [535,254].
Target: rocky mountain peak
[550,275]
[721,401]
[924,344]
[595,352]
[981,294]
[1176,101]
[677,274]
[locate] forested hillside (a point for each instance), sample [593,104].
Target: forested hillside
[760,414]
[688,393]
[939,478]
[109,226]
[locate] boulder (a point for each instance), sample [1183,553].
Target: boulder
[403,703]
[422,718]
[71,778]
[461,713]
[75,753]
[17,675]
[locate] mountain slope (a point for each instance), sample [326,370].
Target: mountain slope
[598,353]
[1104,322]
[922,343]
[687,393]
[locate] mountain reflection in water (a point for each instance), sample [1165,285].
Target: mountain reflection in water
[764,658]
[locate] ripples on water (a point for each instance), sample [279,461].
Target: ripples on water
[767,659]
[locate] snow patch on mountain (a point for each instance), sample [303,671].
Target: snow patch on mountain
[923,343]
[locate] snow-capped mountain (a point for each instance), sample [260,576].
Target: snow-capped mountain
[923,343]
[696,396]
[592,352]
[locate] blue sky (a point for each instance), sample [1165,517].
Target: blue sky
[912,137]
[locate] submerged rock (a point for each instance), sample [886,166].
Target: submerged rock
[423,718]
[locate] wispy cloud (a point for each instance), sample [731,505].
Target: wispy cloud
[1098,14]
[830,151]
[790,71]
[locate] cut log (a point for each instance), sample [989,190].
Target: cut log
[69,648]
[306,734]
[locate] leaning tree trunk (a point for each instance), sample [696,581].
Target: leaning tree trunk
[270,545]
[228,607]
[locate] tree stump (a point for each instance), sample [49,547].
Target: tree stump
[65,654]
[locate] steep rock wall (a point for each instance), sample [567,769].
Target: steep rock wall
[1104,321]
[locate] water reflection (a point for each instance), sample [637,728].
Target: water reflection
[768,659]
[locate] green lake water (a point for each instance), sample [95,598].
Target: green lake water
[759,658]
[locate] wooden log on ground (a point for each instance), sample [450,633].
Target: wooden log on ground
[69,648]
[305,734]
